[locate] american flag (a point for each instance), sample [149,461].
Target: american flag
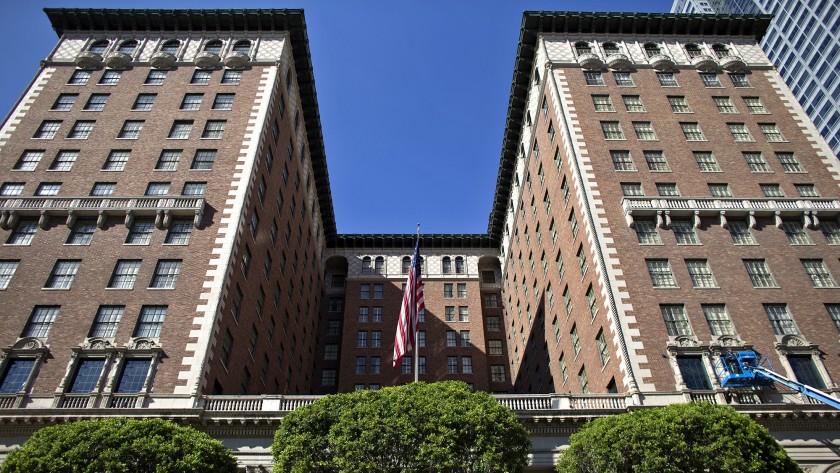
[412,304]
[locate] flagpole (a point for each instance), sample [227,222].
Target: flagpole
[416,341]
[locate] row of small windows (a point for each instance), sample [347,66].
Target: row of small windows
[143,103]
[203,159]
[123,277]
[378,265]
[154,77]
[105,324]
[140,232]
[666,79]
[81,129]
[700,272]
[329,376]
[679,104]
[707,162]
[739,229]
[717,189]
[692,50]
[170,46]
[692,131]
[9,189]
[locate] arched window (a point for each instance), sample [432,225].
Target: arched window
[459,265]
[652,49]
[99,47]
[366,265]
[721,50]
[693,50]
[406,264]
[582,47]
[171,46]
[242,46]
[447,265]
[128,47]
[213,46]
[378,265]
[611,48]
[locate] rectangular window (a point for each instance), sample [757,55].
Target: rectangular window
[377,315]
[644,131]
[361,339]
[204,159]
[603,349]
[451,339]
[718,319]
[772,190]
[759,273]
[214,129]
[166,274]
[724,105]
[7,270]
[116,161]
[603,103]
[448,290]
[660,273]
[48,188]
[740,132]
[17,373]
[612,130]
[452,364]
[140,232]
[623,79]
[465,338]
[693,372]
[593,78]
[656,161]
[796,233]
[806,190]
[706,161]
[155,77]
[463,314]
[756,162]
[407,366]
[622,161]
[831,230]
[201,77]
[834,313]
[739,80]
[376,339]
[375,365]
[144,102]
[667,79]
[62,274]
[131,129]
[494,324]
[591,302]
[168,160]
[646,232]
[87,375]
[633,103]
[231,77]
[804,370]
[818,272]
[110,77]
[81,130]
[47,129]
[125,274]
[740,232]
[781,319]
[198,188]
[64,102]
[573,335]
[133,375]
[181,129]
[23,233]
[700,273]
[720,190]
[40,321]
[106,322]
[96,102]
[377,291]
[692,132]
[327,376]
[564,369]
[79,78]
[754,105]
[679,104]
[710,80]
[466,365]
[771,132]
[449,313]
[495,348]
[632,189]
[157,188]
[361,364]
[676,320]
[789,162]
[179,232]
[364,291]
[581,258]
[667,189]
[223,102]
[28,161]
[191,101]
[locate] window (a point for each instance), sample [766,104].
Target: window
[116,160]
[23,233]
[740,232]
[667,79]
[87,375]
[495,348]
[377,291]
[575,340]
[47,130]
[133,375]
[181,129]
[465,338]
[771,190]
[125,274]
[667,189]
[462,290]
[7,270]
[166,273]
[328,378]
[40,321]
[11,189]
[407,365]
[363,314]
[656,160]
[361,339]
[157,188]
[48,188]
[449,313]
[28,161]
[622,161]
[375,365]
[227,348]
[223,102]
[361,364]
[781,319]
[718,319]
[144,102]
[831,230]
[463,314]
[140,232]
[466,365]
[110,77]
[633,103]
[127,47]
[631,189]
[739,132]
[581,259]
[679,104]
[573,224]
[364,291]
[242,46]
[82,232]
[693,50]
[564,369]
[231,77]
[610,49]
[155,77]
[96,102]
[81,130]
[759,273]
[646,232]
[17,373]
[756,162]
[692,132]
[593,78]
[795,232]
[603,103]
[693,372]
[706,161]
[201,77]
[198,188]
[739,80]
[612,130]
[676,320]
[131,129]
[806,190]
[660,273]
[771,132]
[582,47]
[191,101]
[591,302]
[64,102]
[710,80]
[106,322]
[204,159]
[754,105]
[720,190]
[62,274]
[700,273]
[834,314]
[789,162]
[818,272]
[377,315]
[603,350]
[213,46]
[79,78]
[623,79]
[724,105]
[493,323]
[179,232]
[452,364]
[805,371]
[451,339]
[330,352]
[651,50]
[721,51]
[213,129]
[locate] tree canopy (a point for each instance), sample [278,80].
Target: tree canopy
[419,427]
[120,445]
[681,438]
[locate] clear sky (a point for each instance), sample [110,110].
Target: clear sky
[413,97]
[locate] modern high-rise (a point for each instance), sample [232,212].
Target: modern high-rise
[803,41]
[170,247]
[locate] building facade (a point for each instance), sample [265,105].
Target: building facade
[803,41]
[170,246]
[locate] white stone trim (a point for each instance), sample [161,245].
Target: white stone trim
[25,104]
[232,220]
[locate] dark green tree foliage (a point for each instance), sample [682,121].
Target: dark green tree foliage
[120,446]
[419,427]
[681,438]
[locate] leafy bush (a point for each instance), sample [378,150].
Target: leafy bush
[680,438]
[441,427]
[120,446]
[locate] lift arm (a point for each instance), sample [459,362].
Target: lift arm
[797,386]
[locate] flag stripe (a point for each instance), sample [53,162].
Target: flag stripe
[412,304]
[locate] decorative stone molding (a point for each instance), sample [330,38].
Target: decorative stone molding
[704,62]
[96,344]
[662,62]
[236,60]
[117,60]
[88,60]
[733,64]
[207,60]
[162,60]
[683,341]
[590,61]
[618,62]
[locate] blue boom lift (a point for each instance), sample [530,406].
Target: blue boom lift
[747,369]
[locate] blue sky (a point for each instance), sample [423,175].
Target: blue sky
[413,97]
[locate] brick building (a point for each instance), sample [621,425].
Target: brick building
[170,245]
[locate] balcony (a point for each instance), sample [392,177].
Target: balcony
[162,60]
[662,62]
[704,62]
[88,60]
[618,62]
[207,60]
[163,208]
[590,61]
[236,60]
[663,208]
[117,60]
[733,64]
